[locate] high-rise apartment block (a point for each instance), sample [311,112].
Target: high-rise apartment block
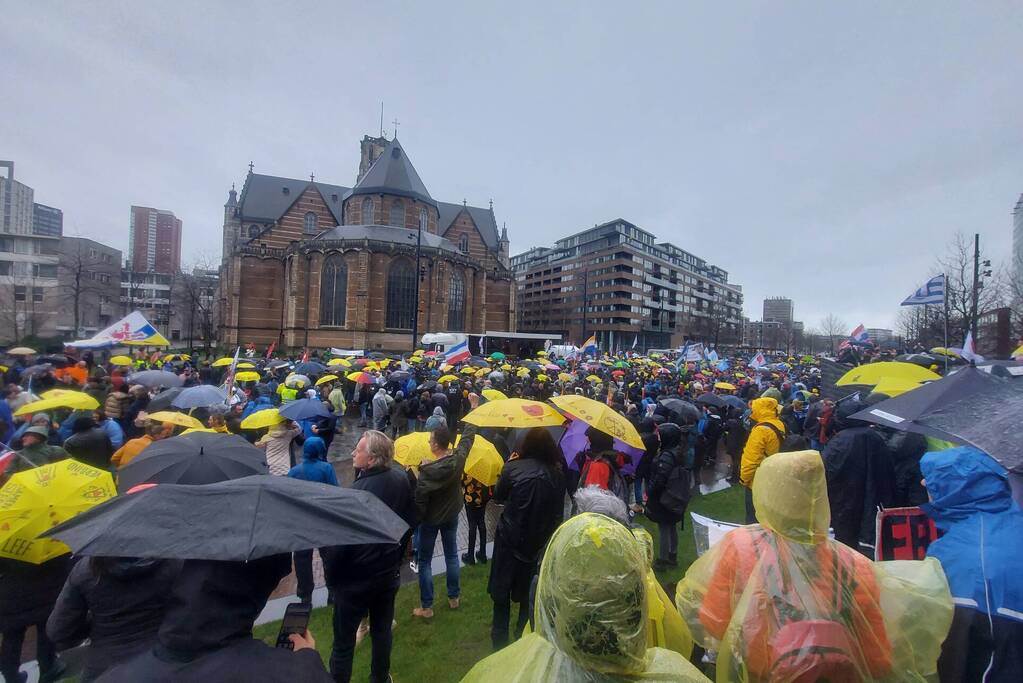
[779,309]
[154,241]
[616,281]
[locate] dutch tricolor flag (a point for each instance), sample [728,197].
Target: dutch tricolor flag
[457,353]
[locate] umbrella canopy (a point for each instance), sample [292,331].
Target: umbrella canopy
[325,379]
[69,399]
[245,365]
[478,362]
[40,369]
[574,441]
[684,409]
[278,363]
[155,378]
[494,395]
[712,400]
[164,399]
[247,376]
[447,378]
[484,463]
[33,501]
[497,355]
[195,458]
[1002,368]
[21,351]
[239,519]
[599,416]
[360,377]
[872,373]
[734,402]
[514,412]
[724,386]
[303,409]
[413,449]
[261,419]
[468,370]
[310,368]
[924,360]
[895,387]
[593,378]
[201,396]
[297,381]
[343,362]
[222,362]
[120,360]
[170,417]
[57,361]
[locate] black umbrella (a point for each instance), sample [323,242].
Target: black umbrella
[478,362]
[399,375]
[240,519]
[310,368]
[59,361]
[274,364]
[922,359]
[196,458]
[375,355]
[155,378]
[40,369]
[1002,368]
[684,409]
[902,412]
[734,401]
[427,385]
[201,396]
[712,400]
[164,399]
[303,409]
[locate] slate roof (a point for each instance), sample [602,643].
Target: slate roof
[387,233]
[263,197]
[393,173]
[484,219]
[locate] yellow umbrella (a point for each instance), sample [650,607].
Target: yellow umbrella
[120,360]
[170,417]
[542,378]
[245,365]
[325,379]
[468,370]
[247,376]
[222,362]
[192,430]
[541,354]
[872,373]
[1018,353]
[941,350]
[484,463]
[493,395]
[564,377]
[54,393]
[506,367]
[894,387]
[357,375]
[263,418]
[72,399]
[340,361]
[600,416]
[447,378]
[724,385]
[514,412]
[21,351]
[594,378]
[415,360]
[523,372]
[39,499]
[413,449]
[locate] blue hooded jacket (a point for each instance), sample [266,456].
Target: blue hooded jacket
[972,504]
[314,465]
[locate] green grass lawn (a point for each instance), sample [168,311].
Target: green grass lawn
[446,647]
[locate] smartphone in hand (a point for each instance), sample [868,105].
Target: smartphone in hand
[296,620]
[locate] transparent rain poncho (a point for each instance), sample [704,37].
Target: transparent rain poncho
[781,602]
[590,613]
[665,626]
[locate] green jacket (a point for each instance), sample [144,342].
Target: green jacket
[37,454]
[439,489]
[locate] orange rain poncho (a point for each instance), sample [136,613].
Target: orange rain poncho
[780,601]
[591,615]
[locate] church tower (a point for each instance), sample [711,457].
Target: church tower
[231,224]
[372,148]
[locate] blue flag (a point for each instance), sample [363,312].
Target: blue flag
[933,292]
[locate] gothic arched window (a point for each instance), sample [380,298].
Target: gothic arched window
[456,303]
[310,223]
[463,243]
[333,291]
[397,215]
[401,295]
[422,219]
[367,211]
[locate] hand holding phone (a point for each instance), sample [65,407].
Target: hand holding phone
[296,621]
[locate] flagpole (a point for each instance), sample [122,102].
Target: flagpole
[944,298]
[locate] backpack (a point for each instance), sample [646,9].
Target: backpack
[615,482]
[789,443]
[677,490]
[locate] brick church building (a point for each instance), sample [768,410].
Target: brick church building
[307,264]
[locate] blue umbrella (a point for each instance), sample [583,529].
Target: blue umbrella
[202,396]
[155,378]
[303,409]
[734,401]
[310,368]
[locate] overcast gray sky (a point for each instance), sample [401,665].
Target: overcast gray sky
[824,151]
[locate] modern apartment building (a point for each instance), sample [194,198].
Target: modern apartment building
[616,281]
[154,241]
[779,309]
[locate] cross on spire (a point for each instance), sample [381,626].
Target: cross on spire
[250,166]
[395,122]
[491,203]
[311,177]
[465,203]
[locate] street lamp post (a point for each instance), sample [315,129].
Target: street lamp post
[415,310]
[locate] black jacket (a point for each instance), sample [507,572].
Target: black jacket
[533,495]
[344,564]
[439,489]
[860,478]
[91,447]
[28,591]
[206,633]
[119,609]
[665,464]
[907,448]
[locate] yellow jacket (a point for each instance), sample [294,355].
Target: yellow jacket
[762,441]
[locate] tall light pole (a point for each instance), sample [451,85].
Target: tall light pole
[415,310]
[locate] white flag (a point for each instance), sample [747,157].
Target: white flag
[757,361]
[932,292]
[970,349]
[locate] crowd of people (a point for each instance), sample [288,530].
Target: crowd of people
[778,599]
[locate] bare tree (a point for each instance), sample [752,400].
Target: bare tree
[832,326]
[957,265]
[79,266]
[194,295]
[18,314]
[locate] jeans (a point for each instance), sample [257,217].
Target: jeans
[637,489]
[427,540]
[304,574]
[352,602]
[10,651]
[815,445]
[667,533]
[476,516]
[363,409]
[502,620]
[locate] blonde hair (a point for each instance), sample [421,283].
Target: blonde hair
[380,448]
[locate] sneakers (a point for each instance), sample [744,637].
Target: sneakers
[423,612]
[453,603]
[414,566]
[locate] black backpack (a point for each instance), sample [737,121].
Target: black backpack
[789,443]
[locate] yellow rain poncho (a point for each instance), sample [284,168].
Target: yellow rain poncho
[591,615]
[665,626]
[780,601]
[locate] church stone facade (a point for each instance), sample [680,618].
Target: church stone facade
[308,264]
